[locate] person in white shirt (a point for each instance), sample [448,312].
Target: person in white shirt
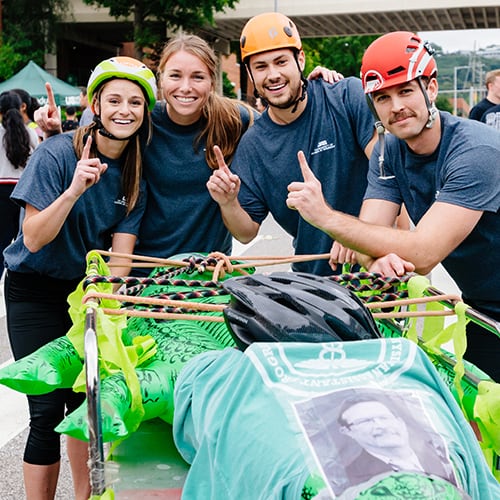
[17,141]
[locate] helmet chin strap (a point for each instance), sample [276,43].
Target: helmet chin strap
[433,112]
[381,140]
[303,93]
[431,107]
[102,131]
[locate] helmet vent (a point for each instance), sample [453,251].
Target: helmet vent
[323,294]
[289,303]
[395,70]
[281,279]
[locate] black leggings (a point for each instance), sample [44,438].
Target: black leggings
[37,313]
[10,219]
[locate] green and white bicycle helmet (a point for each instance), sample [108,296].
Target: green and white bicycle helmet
[127,68]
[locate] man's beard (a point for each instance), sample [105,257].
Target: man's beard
[292,99]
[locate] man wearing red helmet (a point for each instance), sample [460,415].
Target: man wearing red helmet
[331,123]
[445,171]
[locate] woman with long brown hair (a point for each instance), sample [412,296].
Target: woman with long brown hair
[188,122]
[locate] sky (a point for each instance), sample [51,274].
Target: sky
[452,41]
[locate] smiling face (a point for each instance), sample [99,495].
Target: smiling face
[186,83]
[374,427]
[277,77]
[121,106]
[403,110]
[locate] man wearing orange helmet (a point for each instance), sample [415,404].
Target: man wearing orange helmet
[330,122]
[443,168]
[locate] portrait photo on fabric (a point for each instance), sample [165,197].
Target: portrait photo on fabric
[358,436]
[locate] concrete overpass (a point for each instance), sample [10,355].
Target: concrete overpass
[89,34]
[324,18]
[315,18]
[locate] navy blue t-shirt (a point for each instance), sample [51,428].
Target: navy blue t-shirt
[181,216]
[97,214]
[464,170]
[333,132]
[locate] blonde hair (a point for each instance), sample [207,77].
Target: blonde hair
[490,77]
[132,166]
[222,116]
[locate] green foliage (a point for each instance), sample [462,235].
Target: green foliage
[153,17]
[461,66]
[29,32]
[341,53]
[10,59]
[443,103]
[344,55]
[227,86]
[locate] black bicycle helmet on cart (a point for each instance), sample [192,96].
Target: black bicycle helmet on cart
[294,307]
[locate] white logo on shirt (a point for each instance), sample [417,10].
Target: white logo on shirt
[122,202]
[322,146]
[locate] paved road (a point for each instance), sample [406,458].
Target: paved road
[13,408]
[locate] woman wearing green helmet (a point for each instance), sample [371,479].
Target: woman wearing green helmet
[82,190]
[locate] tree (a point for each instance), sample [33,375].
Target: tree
[29,32]
[227,86]
[152,17]
[10,60]
[344,54]
[341,53]
[443,103]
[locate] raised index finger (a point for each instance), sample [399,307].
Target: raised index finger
[86,148]
[220,159]
[51,101]
[307,173]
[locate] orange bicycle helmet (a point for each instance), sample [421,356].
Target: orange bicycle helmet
[396,58]
[269,31]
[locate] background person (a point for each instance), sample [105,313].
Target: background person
[87,115]
[28,107]
[80,191]
[443,168]
[259,105]
[492,117]
[492,98]
[331,123]
[71,122]
[17,142]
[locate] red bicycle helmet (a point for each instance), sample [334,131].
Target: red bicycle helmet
[396,58]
